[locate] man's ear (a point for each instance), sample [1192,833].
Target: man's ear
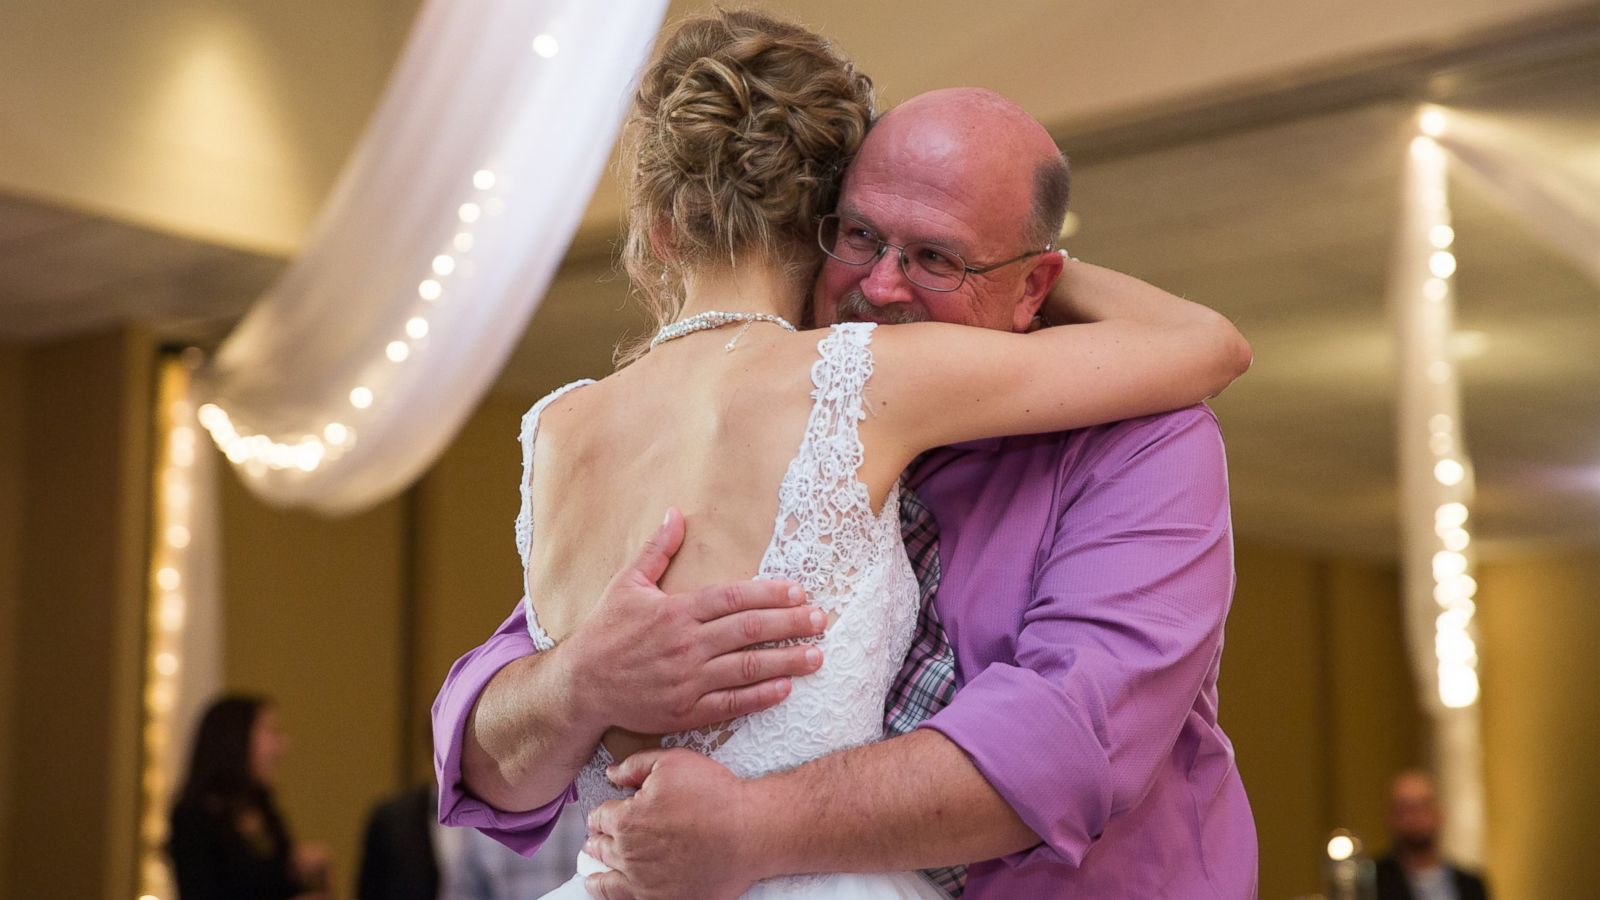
[1041,277]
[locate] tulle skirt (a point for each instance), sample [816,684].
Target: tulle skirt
[849,886]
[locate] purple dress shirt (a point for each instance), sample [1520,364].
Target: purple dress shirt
[1086,579]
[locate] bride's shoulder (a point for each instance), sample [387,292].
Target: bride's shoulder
[556,399]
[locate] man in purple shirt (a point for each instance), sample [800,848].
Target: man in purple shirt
[1083,582]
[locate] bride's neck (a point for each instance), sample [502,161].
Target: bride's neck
[749,285]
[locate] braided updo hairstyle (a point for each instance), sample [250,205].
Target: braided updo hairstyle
[737,141]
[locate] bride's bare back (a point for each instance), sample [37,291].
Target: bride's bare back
[688,426]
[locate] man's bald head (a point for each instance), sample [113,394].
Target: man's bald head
[998,135]
[966,171]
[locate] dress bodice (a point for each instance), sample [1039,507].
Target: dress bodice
[847,556]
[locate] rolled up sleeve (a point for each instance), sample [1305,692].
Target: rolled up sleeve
[521,831]
[1122,633]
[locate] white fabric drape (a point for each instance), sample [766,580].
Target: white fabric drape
[1436,492]
[1553,192]
[355,370]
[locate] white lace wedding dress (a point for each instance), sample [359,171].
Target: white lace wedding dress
[851,562]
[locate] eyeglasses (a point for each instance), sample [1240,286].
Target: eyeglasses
[925,265]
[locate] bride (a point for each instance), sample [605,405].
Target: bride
[782,448]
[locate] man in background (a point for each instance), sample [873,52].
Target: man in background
[1414,868]
[408,855]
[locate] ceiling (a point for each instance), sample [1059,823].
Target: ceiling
[1284,224]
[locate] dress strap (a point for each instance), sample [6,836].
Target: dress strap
[822,536]
[530,434]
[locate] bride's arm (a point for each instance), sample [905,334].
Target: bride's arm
[1132,350]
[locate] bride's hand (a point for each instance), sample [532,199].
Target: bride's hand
[683,835]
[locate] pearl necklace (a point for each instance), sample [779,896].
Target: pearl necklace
[716,319]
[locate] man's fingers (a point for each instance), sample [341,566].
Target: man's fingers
[651,563]
[609,886]
[604,819]
[750,667]
[632,771]
[726,599]
[761,626]
[720,706]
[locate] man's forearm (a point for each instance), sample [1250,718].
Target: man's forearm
[526,738]
[911,802]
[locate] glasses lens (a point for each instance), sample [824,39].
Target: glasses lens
[848,240]
[934,267]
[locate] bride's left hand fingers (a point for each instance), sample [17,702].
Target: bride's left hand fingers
[632,771]
[604,819]
[609,886]
[602,847]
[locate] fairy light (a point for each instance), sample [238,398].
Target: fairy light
[1433,122]
[1454,587]
[546,46]
[1442,264]
[258,454]
[164,618]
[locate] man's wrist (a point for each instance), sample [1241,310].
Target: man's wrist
[570,692]
[766,829]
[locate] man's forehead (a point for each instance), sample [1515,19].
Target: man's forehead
[906,223]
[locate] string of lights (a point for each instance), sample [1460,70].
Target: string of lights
[166,616]
[1452,561]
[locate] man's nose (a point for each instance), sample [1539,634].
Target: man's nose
[886,283]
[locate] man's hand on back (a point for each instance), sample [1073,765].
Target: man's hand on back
[655,663]
[642,660]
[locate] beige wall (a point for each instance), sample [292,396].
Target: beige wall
[11,480]
[1539,621]
[221,120]
[1318,701]
[312,617]
[74,638]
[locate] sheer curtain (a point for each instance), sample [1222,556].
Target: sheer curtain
[1553,191]
[355,370]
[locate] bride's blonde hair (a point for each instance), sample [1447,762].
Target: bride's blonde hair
[736,144]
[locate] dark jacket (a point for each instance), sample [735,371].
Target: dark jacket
[1392,884]
[397,860]
[225,852]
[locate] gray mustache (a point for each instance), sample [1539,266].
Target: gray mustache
[855,307]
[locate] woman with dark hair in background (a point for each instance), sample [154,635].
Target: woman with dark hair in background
[229,841]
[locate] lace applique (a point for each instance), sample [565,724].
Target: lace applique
[530,433]
[827,538]
[850,560]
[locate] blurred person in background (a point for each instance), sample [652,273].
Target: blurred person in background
[229,841]
[408,855]
[1414,868]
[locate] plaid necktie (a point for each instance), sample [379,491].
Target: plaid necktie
[927,681]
